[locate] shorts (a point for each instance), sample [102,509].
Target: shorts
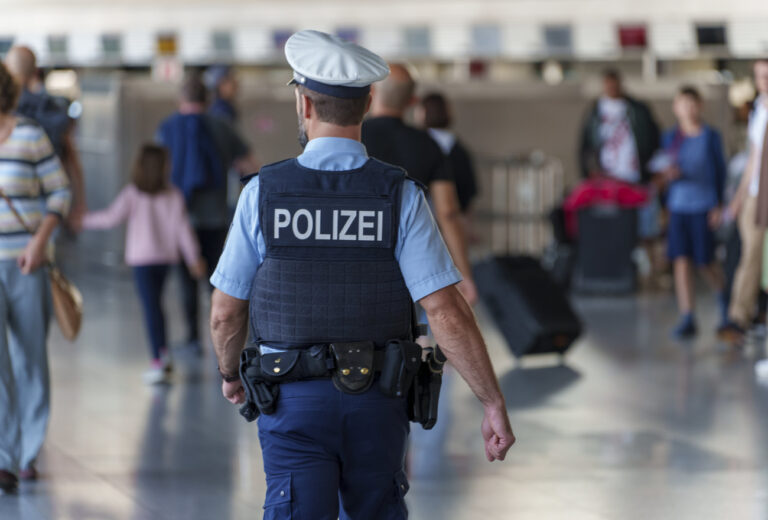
[690,236]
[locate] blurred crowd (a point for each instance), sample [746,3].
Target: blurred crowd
[679,177]
[176,211]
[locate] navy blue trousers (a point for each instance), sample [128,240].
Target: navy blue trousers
[330,455]
[149,284]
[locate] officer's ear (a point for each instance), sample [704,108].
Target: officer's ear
[368,103]
[307,107]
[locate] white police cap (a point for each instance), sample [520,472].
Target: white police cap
[329,65]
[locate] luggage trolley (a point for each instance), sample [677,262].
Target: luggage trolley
[523,190]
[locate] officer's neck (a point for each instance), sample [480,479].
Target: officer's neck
[321,129]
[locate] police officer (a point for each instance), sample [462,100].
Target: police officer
[330,247]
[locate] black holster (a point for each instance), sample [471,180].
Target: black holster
[260,395]
[400,364]
[425,391]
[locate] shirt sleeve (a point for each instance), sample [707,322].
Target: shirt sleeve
[53,179]
[115,214]
[244,249]
[423,257]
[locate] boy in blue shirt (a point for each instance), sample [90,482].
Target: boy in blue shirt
[695,171]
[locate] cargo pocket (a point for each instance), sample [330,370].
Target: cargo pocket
[277,505]
[401,488]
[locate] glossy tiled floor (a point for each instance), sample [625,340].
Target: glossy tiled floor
[633,426]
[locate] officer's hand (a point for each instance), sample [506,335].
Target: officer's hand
[497,432]
[468,290]
[233,392]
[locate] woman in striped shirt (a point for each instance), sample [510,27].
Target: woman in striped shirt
[31,175]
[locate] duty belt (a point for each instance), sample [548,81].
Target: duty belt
[353,367]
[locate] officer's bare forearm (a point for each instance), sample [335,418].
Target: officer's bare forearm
[229,329]
[456,331]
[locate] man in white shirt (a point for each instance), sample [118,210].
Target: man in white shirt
[745,205]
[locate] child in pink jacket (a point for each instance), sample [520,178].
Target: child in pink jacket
[158,236]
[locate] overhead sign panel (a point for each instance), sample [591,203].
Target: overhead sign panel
[450,42]
[522,41]
[675,39]
[595,41]
[748,38]
[253,44]
[138,47]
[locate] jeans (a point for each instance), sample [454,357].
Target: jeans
[150,280]
[25,310]
[211,246]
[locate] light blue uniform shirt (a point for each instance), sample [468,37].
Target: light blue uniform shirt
[424,260]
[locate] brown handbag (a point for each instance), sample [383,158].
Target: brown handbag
[67,299]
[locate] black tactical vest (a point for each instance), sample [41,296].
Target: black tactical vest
[330,273]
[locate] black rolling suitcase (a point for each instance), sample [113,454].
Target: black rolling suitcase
[530,309]
[607,238]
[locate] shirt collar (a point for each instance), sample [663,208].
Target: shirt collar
[338,145]
[444,138]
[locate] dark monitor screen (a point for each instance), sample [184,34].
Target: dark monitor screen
[708,35]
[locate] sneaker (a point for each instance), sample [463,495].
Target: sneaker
[686,328]
[761,371]
[166,360]
[9,483]
[28,474]
[155,375]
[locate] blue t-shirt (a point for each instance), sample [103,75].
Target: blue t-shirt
[424,260]
[702,166]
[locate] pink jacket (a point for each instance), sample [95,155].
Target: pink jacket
[158,230]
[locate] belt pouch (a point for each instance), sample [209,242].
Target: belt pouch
[354,366]
[277,367]
[400,365]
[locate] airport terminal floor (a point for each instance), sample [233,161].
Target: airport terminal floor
[630,426]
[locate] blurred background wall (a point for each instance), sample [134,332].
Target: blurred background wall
[520,72]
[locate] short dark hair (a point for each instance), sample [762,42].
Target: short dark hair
[436,113]
[691,92]
[9,91]
[611,73]
[150,171]
[193,89]
[334,110]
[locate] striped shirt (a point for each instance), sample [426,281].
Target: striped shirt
[32,176]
